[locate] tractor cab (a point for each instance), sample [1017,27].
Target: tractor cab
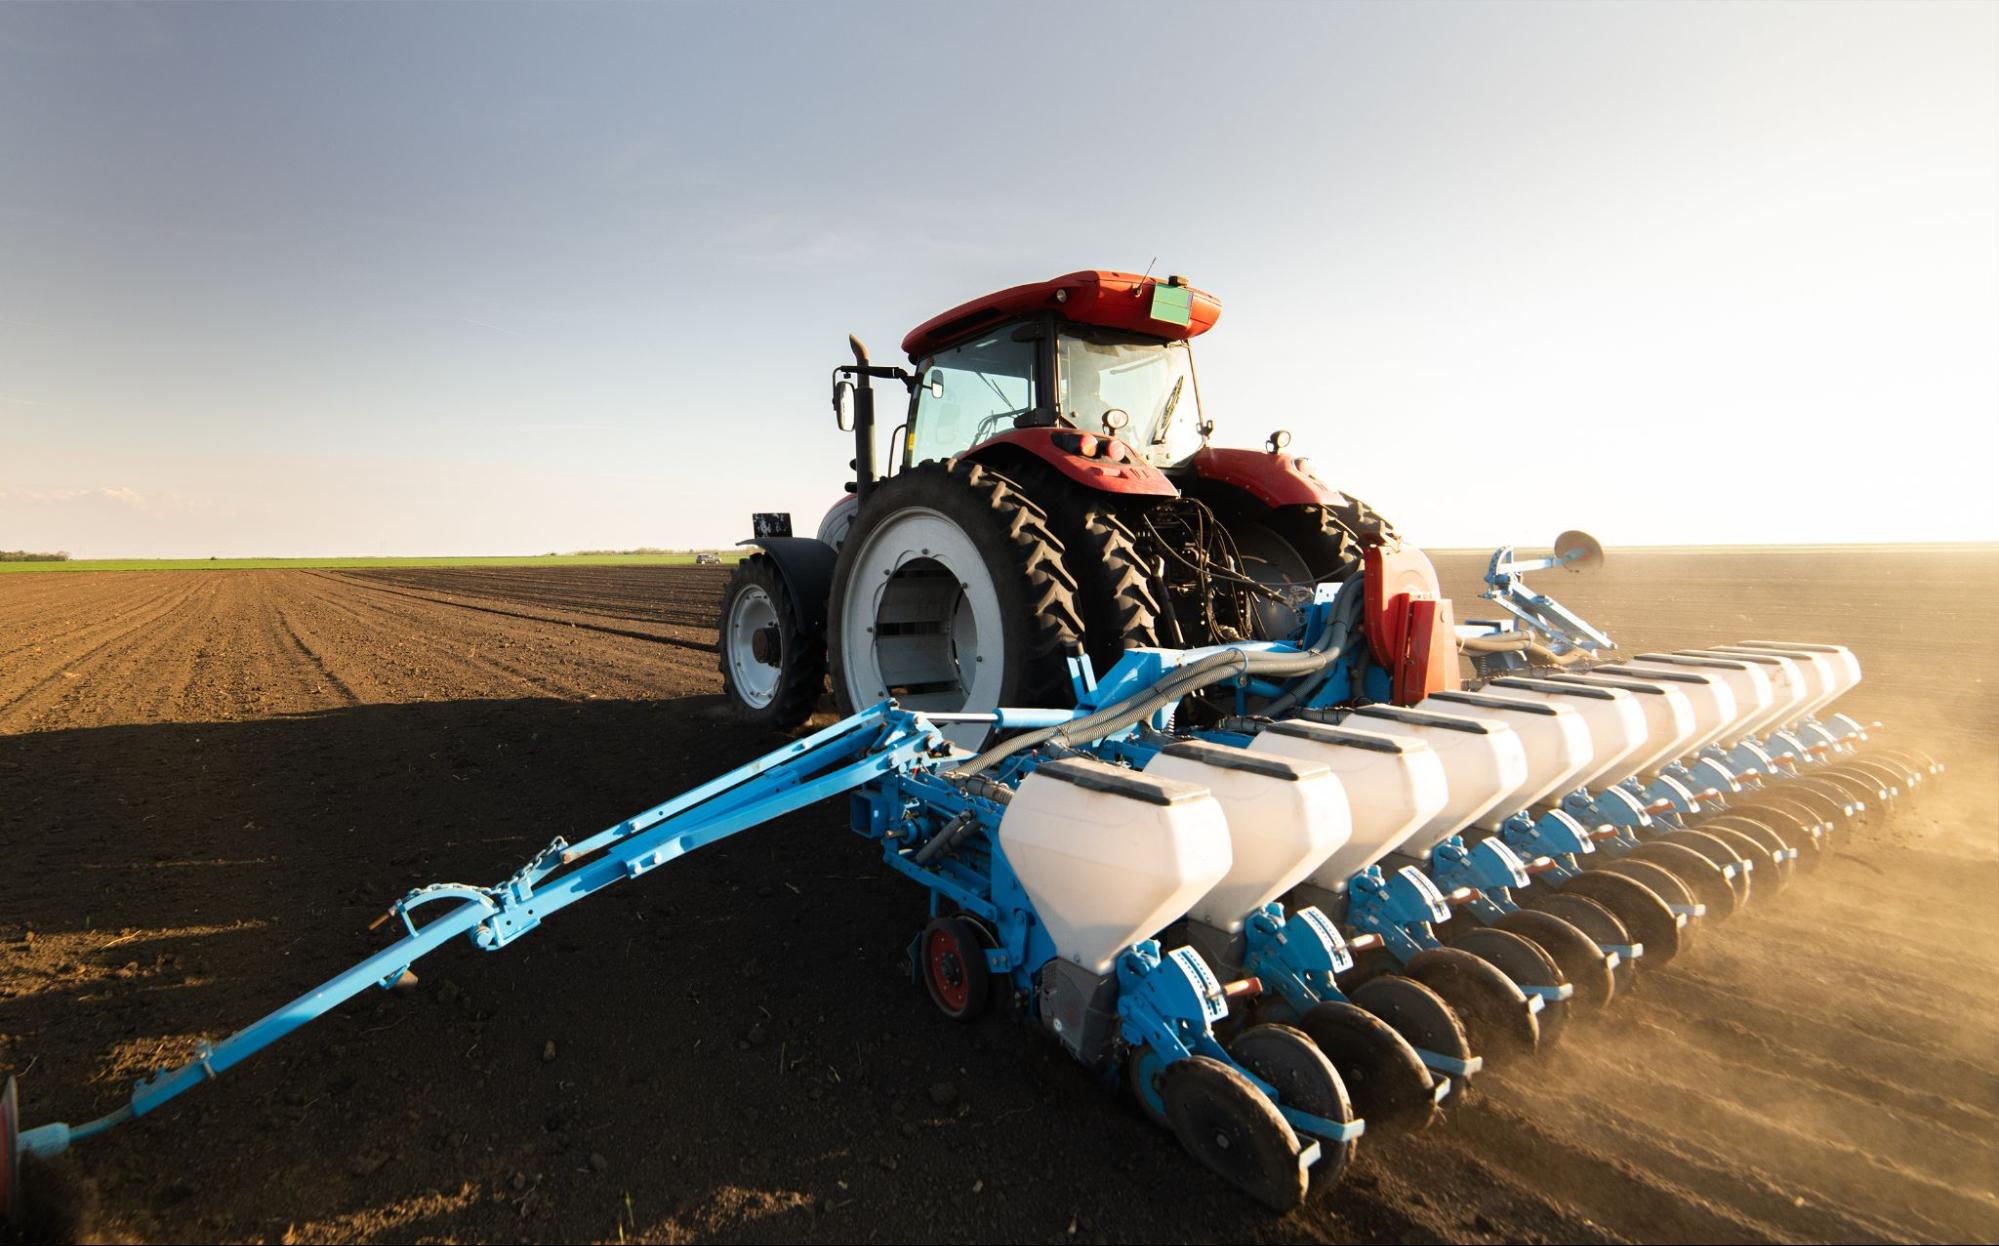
[1048,372]
[1098,353]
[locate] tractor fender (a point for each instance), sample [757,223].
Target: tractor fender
[805,564]
[1096,461]
[1272,479]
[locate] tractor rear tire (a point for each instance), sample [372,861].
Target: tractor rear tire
[1292,548]
[773,669]
[1117,595]
[950,594]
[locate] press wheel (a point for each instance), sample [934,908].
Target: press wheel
[1723,856]
[1595,921]
[1142,1071]
[1756,840]
[1528,964]
[1382,1073]
[1700,875]
[1637,894]
[1796,825]
[1492,1009]
[1581,961]
[1416,1012]
[1306,1081]
[1227,1124]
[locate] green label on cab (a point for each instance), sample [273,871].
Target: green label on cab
[1172,304]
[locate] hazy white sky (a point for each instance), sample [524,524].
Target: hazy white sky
[300,279]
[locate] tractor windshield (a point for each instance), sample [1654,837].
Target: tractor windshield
[1150,380]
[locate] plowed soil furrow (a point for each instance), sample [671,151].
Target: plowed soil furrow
[1714,1117]
[564,616]
[1697,1191]
[1750,1054]
[535,659]
[46,632]
[106,607]
[85,660]
[435,658]
[240,769]
[687,596]
[588,660]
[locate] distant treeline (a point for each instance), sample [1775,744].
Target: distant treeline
[617,553]
[22,555]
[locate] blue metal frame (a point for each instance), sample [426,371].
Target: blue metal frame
[857,750]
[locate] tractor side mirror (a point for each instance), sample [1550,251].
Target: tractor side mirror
[936,383]
[843,404]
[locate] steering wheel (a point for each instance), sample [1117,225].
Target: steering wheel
[990,424]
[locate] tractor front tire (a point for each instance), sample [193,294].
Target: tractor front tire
[773,669]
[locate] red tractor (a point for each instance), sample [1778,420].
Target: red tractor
[1051,490]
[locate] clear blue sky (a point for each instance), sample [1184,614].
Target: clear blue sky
[304,279]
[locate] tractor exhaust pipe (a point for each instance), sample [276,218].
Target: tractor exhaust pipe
[864,422]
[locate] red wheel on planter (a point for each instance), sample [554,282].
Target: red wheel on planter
[954,968]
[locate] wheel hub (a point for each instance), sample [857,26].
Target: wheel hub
[753,646]
[947,969]
[921,620]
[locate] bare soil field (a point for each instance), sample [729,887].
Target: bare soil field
[210,783]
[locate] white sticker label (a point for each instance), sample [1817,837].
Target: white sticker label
[1213,1004]
[1336,947]
[1427,890]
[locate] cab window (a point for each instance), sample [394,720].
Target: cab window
[970,392]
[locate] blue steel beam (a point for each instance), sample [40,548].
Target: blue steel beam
[852,752]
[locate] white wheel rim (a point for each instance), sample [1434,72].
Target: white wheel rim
[750,613]
[921,619]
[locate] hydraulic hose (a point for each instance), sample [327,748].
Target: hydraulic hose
[1346,611]
[1520,642]
[1213,669]
[1498,642]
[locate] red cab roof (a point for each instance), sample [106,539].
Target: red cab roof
[1093,296]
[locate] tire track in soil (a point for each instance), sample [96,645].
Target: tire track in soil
[305,648]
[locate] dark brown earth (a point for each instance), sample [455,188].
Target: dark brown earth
[210,783]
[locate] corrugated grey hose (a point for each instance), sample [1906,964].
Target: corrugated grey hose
[1346,612]
[1517,642]
[1212,669]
